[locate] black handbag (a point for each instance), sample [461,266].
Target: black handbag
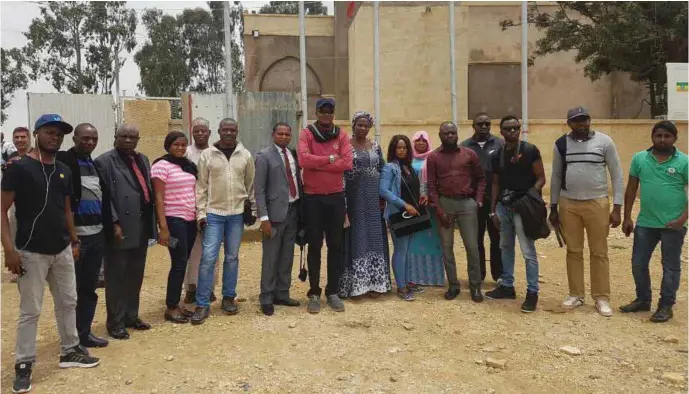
[248,216]
[403,224]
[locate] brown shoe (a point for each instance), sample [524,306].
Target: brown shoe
[175,316]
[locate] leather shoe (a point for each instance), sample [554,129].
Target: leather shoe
[176,316]
[267,309]
[663,314]
[119,333]
[94,341]
[451,293]
[200,315]
[138,324]
[636,306]
[287,302]
[476,295]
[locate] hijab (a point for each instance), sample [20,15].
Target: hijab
[421,156]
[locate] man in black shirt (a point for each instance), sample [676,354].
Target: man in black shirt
[46,247]
[517,168]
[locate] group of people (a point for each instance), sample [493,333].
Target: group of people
[73,211]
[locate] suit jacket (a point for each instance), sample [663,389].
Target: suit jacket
[122,199]
[271,185]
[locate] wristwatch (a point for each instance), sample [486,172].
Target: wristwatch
[331,158]
[490,215]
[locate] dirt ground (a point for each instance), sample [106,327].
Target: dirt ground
[378,346]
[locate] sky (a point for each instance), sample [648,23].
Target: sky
[15,18]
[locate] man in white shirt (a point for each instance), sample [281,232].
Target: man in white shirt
[277,184]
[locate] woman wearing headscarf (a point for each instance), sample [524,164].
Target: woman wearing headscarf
[174,184]
[366,263]
[425,251]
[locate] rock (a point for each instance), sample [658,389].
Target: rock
[542,280]
[393,350]
[673,377]
[496,363]
[479,362]
[341,377]
[489,349]
[393,379]
[169,358]
[570,350]
[128,382]
[671,339]
[408,326]
[594,377]
[258,366]
[292,325]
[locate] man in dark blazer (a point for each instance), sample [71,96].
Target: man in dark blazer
[277,185]
[129,223]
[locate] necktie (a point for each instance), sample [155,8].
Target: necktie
[140,178]
[290,178]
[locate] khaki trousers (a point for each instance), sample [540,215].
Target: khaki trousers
[192,275]
[594,217]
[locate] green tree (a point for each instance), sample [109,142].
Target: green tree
[14,77]
[633,37]
[74,44]
[292,8]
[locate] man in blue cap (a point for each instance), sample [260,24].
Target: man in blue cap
[45,248]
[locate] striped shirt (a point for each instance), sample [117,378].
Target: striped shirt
[87,217]
[180,190]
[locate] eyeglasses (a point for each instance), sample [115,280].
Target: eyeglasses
[511,129]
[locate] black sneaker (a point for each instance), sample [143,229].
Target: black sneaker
[476,295]
[501,292]
[78,358]
[530,302]
[22,378]
[663,314]
[200,315]
[636,306]
[229,305]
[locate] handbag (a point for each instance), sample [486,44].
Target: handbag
[403,224]
[247,215]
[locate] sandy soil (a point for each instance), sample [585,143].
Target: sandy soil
[384,345]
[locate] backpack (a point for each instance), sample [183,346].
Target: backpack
[561,145]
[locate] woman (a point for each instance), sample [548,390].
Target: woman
[425,251]
[400,187]
[174,184]
[366,268]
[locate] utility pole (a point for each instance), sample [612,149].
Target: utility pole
[376,69]
[229,93]
[302,66]
[118,98]
[525,70]
[453,71]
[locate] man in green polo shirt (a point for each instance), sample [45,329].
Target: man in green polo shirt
[662,172]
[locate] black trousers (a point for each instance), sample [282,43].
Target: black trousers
[124,274]
[485,223]
[324,214]
[185,232]
[86,270]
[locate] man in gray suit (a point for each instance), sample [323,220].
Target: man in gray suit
[278,186]
[129,223]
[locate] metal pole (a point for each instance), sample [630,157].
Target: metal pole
[453,71]
[525,70]
[376,69]
[118,98]
[229,92]
[302,66]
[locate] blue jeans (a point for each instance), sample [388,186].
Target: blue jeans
[229,228]
[645,241]
[511,226]
[400,259]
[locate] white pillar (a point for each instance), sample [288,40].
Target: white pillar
[229,91]
[376,69]
[525,70]
[453,71]
[302,66]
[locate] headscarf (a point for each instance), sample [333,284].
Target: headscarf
[421,156]
[362,114]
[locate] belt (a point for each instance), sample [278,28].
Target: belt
[458,196]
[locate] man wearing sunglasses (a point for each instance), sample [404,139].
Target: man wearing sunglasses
[485,145]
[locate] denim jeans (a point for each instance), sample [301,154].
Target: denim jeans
[185,232]
[511,226]
[400,259]
[645,241]
[218,227]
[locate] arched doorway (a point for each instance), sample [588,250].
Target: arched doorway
[284,76]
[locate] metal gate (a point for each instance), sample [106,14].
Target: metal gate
[97,109]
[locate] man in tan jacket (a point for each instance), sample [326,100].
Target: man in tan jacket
[225,183]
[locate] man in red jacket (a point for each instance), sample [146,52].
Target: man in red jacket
[324,154]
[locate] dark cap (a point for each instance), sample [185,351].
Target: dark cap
[325,101]
[577,112]
[53,119]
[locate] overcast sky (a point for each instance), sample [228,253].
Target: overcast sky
[15,18]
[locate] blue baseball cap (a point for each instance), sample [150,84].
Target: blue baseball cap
[325,101]
[53,119]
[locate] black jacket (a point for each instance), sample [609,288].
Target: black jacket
[485,155]
[533,212]
[69,157]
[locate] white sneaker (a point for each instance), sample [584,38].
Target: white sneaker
[572,302]
[603,308]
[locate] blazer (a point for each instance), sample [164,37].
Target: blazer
[121,199]
[271,185]
[69,157]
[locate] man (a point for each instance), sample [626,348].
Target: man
[517,169]
[580,185]
[277,186]
[485,145]
[20,139]
[45,250]
[456,188]
[229,168]
[324,153]
[200,132]
[662,173]
[87,201]
[129,223]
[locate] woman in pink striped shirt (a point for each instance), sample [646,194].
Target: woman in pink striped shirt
[174,183]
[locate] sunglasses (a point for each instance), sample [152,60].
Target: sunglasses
[487,124]
[511,129]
